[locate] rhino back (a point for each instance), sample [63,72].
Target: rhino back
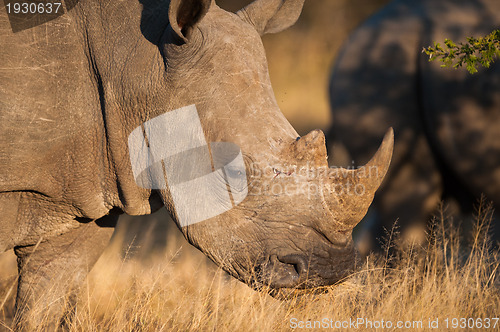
[373,83]
[446,121]
[461,110]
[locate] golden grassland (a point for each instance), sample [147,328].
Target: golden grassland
[179,289]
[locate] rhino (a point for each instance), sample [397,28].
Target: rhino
[446,121]
[81,93]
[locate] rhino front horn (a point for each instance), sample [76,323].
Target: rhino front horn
[379,164]
[350,192]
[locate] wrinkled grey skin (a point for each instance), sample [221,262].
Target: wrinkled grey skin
[446,121]
[72,91]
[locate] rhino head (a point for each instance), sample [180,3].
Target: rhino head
[292,227]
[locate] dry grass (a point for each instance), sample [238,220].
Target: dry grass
[181,290]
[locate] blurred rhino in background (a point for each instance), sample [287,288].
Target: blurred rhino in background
[123,107]
[446,122]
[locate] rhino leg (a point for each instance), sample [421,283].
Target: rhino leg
[50,272]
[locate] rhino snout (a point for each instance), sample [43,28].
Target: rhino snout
[301,271]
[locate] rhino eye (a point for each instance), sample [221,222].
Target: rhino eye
[234,173]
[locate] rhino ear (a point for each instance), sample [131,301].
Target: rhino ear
[271,16]
[184,15]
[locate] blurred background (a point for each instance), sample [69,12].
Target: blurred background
[300,58]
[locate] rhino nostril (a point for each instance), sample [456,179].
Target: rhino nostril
[287,271]
[298,262]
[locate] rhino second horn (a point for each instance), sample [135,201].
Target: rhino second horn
[355,188]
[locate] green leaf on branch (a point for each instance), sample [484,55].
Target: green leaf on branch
[475,52]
